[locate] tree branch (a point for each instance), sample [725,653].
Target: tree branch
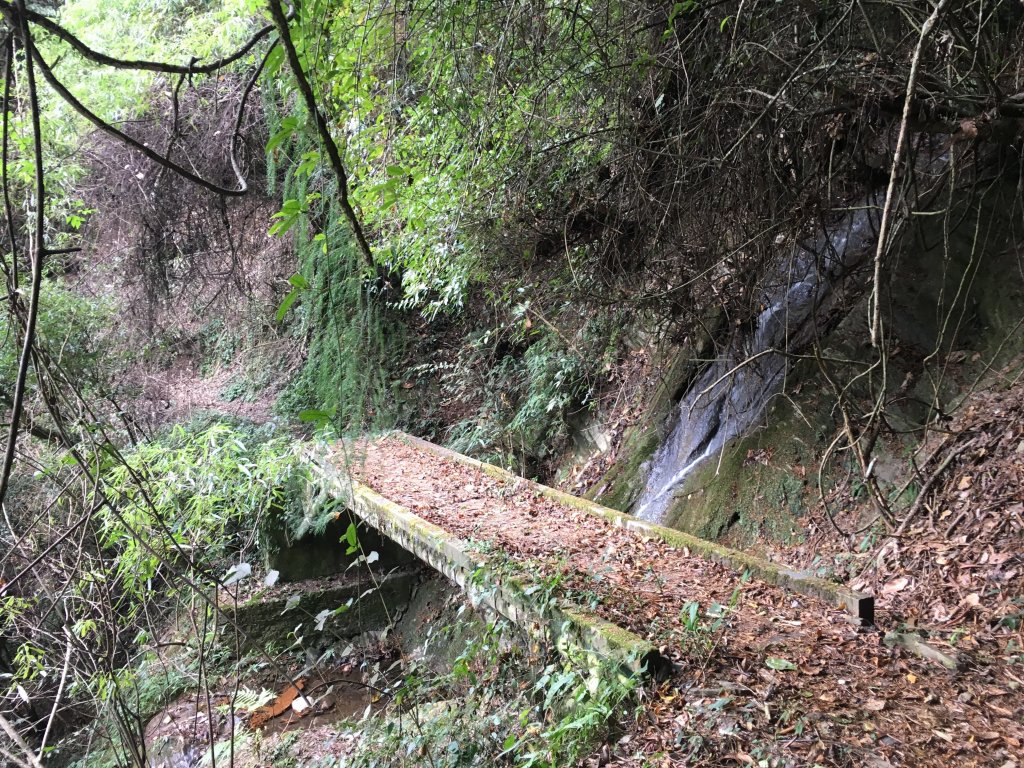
[883,228]
[10,11]
[153,155]
[333,154]
[37,252]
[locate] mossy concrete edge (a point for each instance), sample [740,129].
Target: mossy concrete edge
[859,604]
[569,627]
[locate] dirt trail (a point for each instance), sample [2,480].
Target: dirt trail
[781,677]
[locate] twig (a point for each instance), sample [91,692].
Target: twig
[931,481]
[883,229]
[58,697]
[30,756]
[124,138]
[55,29]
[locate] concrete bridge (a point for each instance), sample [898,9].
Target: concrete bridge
[487,560]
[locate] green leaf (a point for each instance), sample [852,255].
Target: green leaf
[315,416]
[287,130]
[299,281]
[286,304]
[781,665]
[351,537]
[274,61]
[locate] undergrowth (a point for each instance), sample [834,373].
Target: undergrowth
[340,319]
[521,384]
[498,704]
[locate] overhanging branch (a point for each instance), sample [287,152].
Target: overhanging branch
[10,11]
[323,130]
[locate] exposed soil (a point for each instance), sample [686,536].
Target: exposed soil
[782,677]
[174,395]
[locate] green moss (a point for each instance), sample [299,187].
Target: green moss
[761,484]
[624,481]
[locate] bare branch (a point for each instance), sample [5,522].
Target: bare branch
[153,155]
[38,252]
[883,229]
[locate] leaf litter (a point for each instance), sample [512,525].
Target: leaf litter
[764,676]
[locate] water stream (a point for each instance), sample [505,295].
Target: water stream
[730,395]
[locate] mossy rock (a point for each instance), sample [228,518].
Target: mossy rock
[760,484]
[278,619]
[625,480]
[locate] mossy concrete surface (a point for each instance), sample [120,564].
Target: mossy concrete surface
[857,604]
[286,615]
[573,629]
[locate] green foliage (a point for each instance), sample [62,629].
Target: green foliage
[704,629]
[555,720]
[350,341]
[453,121]
[199,494]
[556,380]
[73,330]
[144,29]
[524,397]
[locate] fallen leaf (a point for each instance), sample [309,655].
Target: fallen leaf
[896,585]
[779,665]
[874,705]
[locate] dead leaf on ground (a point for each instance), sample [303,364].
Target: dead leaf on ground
[894,586]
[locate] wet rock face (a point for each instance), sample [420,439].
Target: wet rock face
[736,460]
[732,393]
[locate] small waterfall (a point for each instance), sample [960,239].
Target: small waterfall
[732,393]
